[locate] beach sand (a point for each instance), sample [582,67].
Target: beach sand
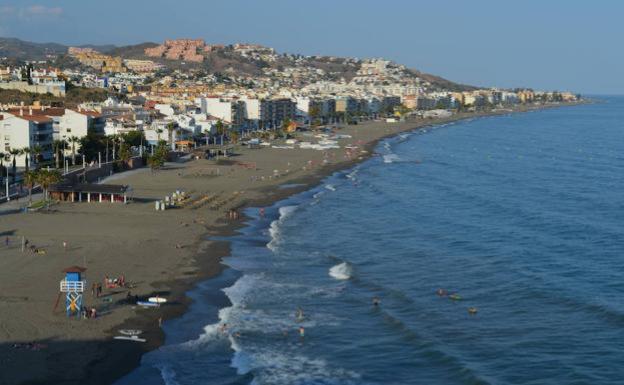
[162,253]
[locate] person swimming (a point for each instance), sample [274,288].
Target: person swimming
[442,292]
[376,301]
[301,332]
[300,316]
[472,310]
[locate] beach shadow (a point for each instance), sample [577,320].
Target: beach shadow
[7,233]
[48,361]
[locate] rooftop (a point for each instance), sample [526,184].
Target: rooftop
[90,188]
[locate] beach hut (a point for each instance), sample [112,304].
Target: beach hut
[73,287]
[88,192]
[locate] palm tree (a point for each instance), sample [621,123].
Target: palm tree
[46,178]
[30,178]
[37,150]
[170,128]
[73,140]
[2,155]
[58,145]
[26,151]
[15,152]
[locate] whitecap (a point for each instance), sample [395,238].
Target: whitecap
[341,271]
[274,229]
[391,158]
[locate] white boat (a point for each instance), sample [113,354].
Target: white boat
[130,338]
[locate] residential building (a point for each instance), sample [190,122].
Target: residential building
[273,112]
[25,129]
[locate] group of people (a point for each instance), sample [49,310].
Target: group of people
[455,297]
[233,214]
[96,289]
[89,312]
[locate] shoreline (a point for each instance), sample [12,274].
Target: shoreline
[107,365]
[313,181]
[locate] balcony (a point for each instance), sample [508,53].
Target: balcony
[72,286]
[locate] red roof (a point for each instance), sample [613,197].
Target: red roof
[34,118]
[74,269]
[94,114]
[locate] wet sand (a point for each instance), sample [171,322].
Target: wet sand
[162,253]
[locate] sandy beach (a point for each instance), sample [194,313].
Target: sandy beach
[157,252]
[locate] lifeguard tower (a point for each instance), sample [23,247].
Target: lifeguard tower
[73,286]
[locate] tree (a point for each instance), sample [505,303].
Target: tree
[124,152]
[285,124]
[314,113]
[157,160]
[37,150]
[220,128]
[26,152]
[234,136]
[30,178]
[58,145]
[170,128]
[73,140]
[15,152]
[134,138]
[46,178]
[91,145]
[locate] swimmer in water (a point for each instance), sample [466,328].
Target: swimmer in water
[300,315]
[472,310]
[376,301]
[442,292]
[223,328]
[301,332]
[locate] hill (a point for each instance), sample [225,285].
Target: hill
[25,50]
[224,60]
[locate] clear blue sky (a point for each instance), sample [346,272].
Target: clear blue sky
[546,44]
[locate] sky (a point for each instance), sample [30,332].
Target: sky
[547,44]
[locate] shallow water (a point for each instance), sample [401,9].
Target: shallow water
[521,216]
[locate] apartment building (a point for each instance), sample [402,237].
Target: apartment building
[25,129]
[273,112]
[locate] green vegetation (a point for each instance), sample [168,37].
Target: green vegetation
[73,97]
[159,158]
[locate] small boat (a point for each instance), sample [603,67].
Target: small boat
[455,297]
[147,304]
[130,332]
[157,299]
[130,338]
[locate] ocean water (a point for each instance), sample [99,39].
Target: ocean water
[521,216]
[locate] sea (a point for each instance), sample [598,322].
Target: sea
[494,247]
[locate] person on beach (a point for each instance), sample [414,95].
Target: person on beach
[65,245]
[6,241]
[93,289]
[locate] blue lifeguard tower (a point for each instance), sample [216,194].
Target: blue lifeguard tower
[73,286]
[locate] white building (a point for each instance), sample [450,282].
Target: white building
[77,123]
[26,130]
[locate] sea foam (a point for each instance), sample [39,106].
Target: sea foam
[341,271]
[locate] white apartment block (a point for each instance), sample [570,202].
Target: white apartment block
[26,130]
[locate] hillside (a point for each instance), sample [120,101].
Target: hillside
[223,60]
[25,50]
